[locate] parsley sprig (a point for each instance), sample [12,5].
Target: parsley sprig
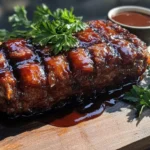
[19,19]
[55,28]
[140,97]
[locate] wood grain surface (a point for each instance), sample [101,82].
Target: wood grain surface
[116,129]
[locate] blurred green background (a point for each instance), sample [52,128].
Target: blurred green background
[89,9]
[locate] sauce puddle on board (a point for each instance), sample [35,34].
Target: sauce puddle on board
[76,111]
[132,18]
[93,109]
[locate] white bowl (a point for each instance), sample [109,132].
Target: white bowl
[121,9]
[140,31]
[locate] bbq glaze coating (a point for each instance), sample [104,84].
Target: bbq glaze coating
[32,78]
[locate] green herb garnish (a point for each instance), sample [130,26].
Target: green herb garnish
[140,97]
[55,28]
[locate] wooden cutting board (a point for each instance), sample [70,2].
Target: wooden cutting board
[116,128]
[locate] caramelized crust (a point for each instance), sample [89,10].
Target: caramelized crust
[31,75]
[2,61]
[88,35]
[100,53]
[82,68]
[58,76]
[33,79]
[80,61]
[7,85]
[58,69]
[17,50]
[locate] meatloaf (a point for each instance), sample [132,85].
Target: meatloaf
[33,78]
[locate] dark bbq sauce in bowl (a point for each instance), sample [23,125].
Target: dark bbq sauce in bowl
[132,18]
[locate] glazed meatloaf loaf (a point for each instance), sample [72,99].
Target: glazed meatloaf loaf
[32,78]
